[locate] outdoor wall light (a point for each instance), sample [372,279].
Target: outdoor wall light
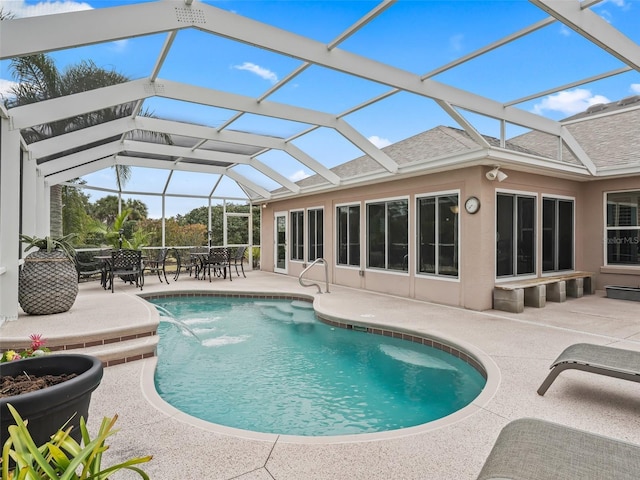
[496,174]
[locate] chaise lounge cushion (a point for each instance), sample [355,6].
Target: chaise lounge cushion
[532,449]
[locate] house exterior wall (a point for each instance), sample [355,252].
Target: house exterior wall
[473,289]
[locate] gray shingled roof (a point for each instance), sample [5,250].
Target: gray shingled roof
[609,140]
[612,139]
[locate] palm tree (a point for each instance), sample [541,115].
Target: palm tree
[39,79]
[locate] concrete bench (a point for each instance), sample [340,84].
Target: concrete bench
[534,292]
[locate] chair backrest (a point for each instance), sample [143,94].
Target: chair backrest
[240,253]
[219,256]
[126,259]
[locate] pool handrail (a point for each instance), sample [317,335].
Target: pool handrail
[326,275]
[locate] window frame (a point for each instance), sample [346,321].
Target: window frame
[337,236]
[558,198]
[309,246]
[386,202]
[418,242]
[536,248]
[606,229]
[296,235]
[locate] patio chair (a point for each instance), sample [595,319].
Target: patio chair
[217,262]
[157,264]
[126,264]
[238,260]
[532,449]
[603,360]
[88,266]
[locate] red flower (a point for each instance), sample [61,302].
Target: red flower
[37,341]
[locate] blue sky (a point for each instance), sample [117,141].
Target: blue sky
[417,36]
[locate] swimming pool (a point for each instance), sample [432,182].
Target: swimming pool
[270,366]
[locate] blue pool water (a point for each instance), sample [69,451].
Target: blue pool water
[270,366]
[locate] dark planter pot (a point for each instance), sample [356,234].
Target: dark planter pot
[623,293]
[49,409]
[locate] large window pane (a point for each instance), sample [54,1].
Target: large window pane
[297,236]
[565,235]
[316,234]
[438,235]
[398,235]
[526,235]
[376,238]
[348,232]
[623,244]
[387,235]
[427,235]
[504,236]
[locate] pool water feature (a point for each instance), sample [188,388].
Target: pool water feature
[271,366]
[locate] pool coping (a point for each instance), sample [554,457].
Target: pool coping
[476,357]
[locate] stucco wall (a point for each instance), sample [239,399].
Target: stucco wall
[473,289]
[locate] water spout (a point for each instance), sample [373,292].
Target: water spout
[169,318]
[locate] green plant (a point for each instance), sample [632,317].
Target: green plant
[49,244]
[61,458]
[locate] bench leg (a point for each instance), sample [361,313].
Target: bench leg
[508,300]
[535,296]
[557,292]
[575,287]
[589,286]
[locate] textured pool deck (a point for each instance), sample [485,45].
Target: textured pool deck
[517,349]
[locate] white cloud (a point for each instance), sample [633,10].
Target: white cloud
[635,87]
[565,31]
[456,42]
[20,8]
[299,175]
[379,142]
[5,87]
[569,102]
[258,70]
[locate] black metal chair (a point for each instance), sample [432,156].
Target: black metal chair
[238,260]
[126,264]
[87,266]
[158,264]
[218,262]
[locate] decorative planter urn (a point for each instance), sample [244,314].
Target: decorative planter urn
[48,283]
[48,409]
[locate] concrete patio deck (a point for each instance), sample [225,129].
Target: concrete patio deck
[518,349]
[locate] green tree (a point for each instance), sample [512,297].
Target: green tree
[75,218]
[39,79]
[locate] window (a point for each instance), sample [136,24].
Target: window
[316,233]
[348,231]
[623,228]
[515,235]
[557,234]
[388,235]
[438,235]
[297,235]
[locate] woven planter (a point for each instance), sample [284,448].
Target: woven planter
[48,283]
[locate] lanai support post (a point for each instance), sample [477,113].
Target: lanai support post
[9,220]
